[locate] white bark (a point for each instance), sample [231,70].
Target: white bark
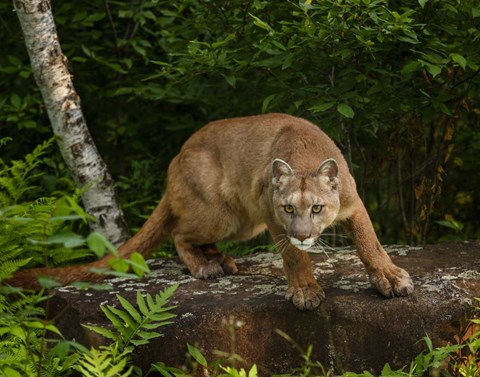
[49,67]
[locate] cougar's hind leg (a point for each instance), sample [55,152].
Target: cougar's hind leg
[197,263]
[212,253]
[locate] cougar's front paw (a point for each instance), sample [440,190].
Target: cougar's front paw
[210,270]
[305,298]
[392,281]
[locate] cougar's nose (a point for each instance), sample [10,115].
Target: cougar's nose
[301,237]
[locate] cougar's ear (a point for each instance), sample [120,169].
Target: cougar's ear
[329,169]
[280,169]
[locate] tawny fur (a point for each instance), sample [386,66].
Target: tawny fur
[235,178]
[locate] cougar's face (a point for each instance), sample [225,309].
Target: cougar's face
[305,205]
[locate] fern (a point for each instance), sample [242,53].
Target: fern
[29,230]
[22,335]
[134,327]
[104,362]
[16,178]
[42,231]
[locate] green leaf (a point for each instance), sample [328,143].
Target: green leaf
[130,309]
[433,69]
[321,107]
[114,319]
[15,100]
[262,24]
[141,304]
[119,265]
[99,244]
[422,3]
[10,372]
[253,371]
[266,102]
[197,355]
[104,332]
[128,324]
[230,79]
[452,224]
[43,326]
[139,266]
[48,283]
[345,110]
[459,59]
[66,238]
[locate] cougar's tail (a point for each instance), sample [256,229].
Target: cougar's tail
[145,241]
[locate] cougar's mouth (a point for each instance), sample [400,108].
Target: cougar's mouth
[305,244]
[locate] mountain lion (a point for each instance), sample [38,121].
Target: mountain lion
[235,178]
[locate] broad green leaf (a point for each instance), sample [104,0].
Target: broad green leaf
[197,355]
[15,100]
[139,266]
[433,69]
[119,265]
[266,102]
[99,244]
[106,271]
[66,238]
[48,283]
[40,325]
[90,285]
[459,59]
[321,107]
[345,110]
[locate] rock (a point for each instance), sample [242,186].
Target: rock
[354,329]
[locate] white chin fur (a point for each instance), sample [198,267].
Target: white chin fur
[305,245]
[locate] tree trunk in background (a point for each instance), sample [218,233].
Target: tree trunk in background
[49,67]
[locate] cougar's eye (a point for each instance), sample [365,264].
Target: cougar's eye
[317,208]
[288,208]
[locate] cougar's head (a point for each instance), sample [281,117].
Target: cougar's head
[305,204]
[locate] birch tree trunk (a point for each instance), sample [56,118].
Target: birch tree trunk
[49,67]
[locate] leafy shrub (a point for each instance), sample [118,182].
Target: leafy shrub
[396,84]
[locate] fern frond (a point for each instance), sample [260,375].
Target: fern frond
[15,178]
[103,362]
[134,327]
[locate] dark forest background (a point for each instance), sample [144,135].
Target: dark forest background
[396,84]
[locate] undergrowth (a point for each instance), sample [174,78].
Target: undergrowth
[45,231]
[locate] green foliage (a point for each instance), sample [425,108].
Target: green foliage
[27,348]
[17,176]
[23,334]
[36,232]
[30,345]
[48,231]
[135,327]
[396,84]
[103,362]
